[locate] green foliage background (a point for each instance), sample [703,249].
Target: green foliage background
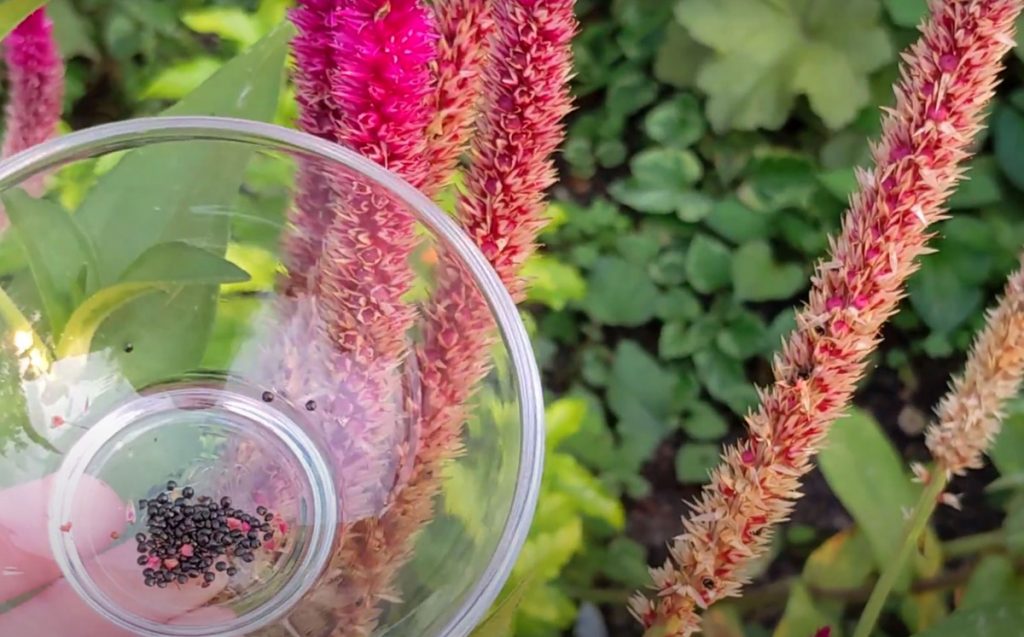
[712,151]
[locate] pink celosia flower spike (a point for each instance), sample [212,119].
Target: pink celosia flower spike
[464,26]
[526,97]
[318,115]
[948,76]
[36,87]
[383,54]
[970,414]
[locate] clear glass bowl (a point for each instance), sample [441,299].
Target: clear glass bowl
[165,321]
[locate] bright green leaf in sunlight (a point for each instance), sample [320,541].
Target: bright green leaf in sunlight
[566,475]
[552,282]
[757,276]
[768,52]
[679,57]
[181,78]
[564,418]
[843,561]
[12,12]
[501,619]
[659,181]
[228,23]
[619,293]
[868,476]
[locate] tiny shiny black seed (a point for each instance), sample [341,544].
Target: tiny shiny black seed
[268,517]
[268,396]
[171,485]
[267,537]
[182,579]
[247,557]
[143,559]
[261,510]
[128,348]
[232,571]
[188,492]
[221,566]
[310,405]
[162,584]
[209,577]
[140,537]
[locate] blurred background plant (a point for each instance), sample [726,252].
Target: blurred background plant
[712,150]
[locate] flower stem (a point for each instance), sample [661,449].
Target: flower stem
[915,526]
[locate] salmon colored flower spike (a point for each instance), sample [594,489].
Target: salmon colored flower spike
[969,416]
[383,53]
[36,88]
[465,28]
[947,78]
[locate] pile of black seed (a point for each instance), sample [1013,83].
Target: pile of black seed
[190,537]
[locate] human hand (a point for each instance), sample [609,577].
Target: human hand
[56,610]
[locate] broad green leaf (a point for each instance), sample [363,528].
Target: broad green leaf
[843,561]
[681,340]
[779,180]
[563,419]
[743,336]
[619,293]
[12,12]
[804,616]
[669,270]
[941,295]
[59,255]
[768,52]
[679,58]
[723,377]
[866,473]
[625,562]
[641,393]
[630,91]
[980,187]
[721,620]
[677,122]
[732,220]
[552,282]
[707,264]
[591,498]
[907,13]
[757,276]
[704,422]
[997,620]
[1008,139]
[166,192]
[73,33]
[695,460]
[1008,450]
[165,267]
[993,580]
[678,304]
[545,554]
[660,179]
[180,79]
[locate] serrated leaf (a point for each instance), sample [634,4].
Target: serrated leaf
[588,495]
[677,122]
[768,52]
[660,180]
[679,57]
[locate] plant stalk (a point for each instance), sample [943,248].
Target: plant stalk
[915,526]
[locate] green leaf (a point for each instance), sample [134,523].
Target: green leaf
[626,562]
[707,264]
[804,616]
[757,277]
[228,23]
[1002,620]
[680,340]
[867,474]
[630,91]
[678,304]
[552,282]
[842,561]
[563,418]
[704,422]
[723,377]
[163,193]
[907,13]
[641,393]
[679,58]
[694,461]
[180,79]
[743,336]
[994,580]
[164,267]
[1008,139]
[980,187]
[1007,452]
[660,180]
[677,122]
[779,180]
[619,293]
[588,495]
[768,52]
[73,33]
[501,619]
[732,220]
[57,251]
[12,12]
[940,294]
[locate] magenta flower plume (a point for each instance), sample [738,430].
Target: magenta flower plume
[384,51]
[465,27]
[36,84]
[318,115]
[526,97]
[948,77]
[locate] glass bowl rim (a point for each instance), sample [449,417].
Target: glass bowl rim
[105,138]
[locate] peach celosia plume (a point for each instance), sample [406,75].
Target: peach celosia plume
[969,415]
[948,76]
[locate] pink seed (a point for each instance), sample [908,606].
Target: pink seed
[171,563]
[187,550]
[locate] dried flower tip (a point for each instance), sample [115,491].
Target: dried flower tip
[951,500]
